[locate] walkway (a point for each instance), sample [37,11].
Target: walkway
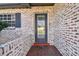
[43,51]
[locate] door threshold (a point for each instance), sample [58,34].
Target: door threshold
[41,44]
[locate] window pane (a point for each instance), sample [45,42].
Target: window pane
[9,18]
[40,17]
[9,15]
[12,24]
[9,21]
[0,18]
[41,26]
[0,15]
[12,21]
[5,15]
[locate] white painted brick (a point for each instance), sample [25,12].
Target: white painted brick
[65,37]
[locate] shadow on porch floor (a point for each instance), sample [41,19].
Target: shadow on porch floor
[43,51]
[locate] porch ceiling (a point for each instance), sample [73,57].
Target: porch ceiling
[23,5]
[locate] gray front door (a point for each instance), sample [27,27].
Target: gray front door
[41,28]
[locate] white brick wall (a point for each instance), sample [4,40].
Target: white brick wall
[63,29]
[66,30]
[17,47]
[12,39]
[28,19]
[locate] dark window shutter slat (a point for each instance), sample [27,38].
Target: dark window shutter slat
[18,20]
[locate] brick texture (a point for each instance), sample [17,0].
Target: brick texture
[18,41]
[66,29]
[27,21]
[17,47]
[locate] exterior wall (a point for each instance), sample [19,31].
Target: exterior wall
[17,47]
[56,8]
[25,35]
[28,18]
[66,29]
[63,28]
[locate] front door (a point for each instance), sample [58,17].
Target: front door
[40,28]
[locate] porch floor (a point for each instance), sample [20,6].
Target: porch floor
[44,51]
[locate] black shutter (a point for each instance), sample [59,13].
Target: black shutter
[18,20]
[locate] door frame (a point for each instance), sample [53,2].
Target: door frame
[46,23]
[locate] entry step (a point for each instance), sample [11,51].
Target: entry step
[41,44]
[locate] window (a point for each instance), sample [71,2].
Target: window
[14,20]
[9,18]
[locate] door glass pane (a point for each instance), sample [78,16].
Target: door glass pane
[41,26]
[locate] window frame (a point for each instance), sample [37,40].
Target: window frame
[9,18]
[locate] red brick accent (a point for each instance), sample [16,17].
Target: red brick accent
[38,44]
